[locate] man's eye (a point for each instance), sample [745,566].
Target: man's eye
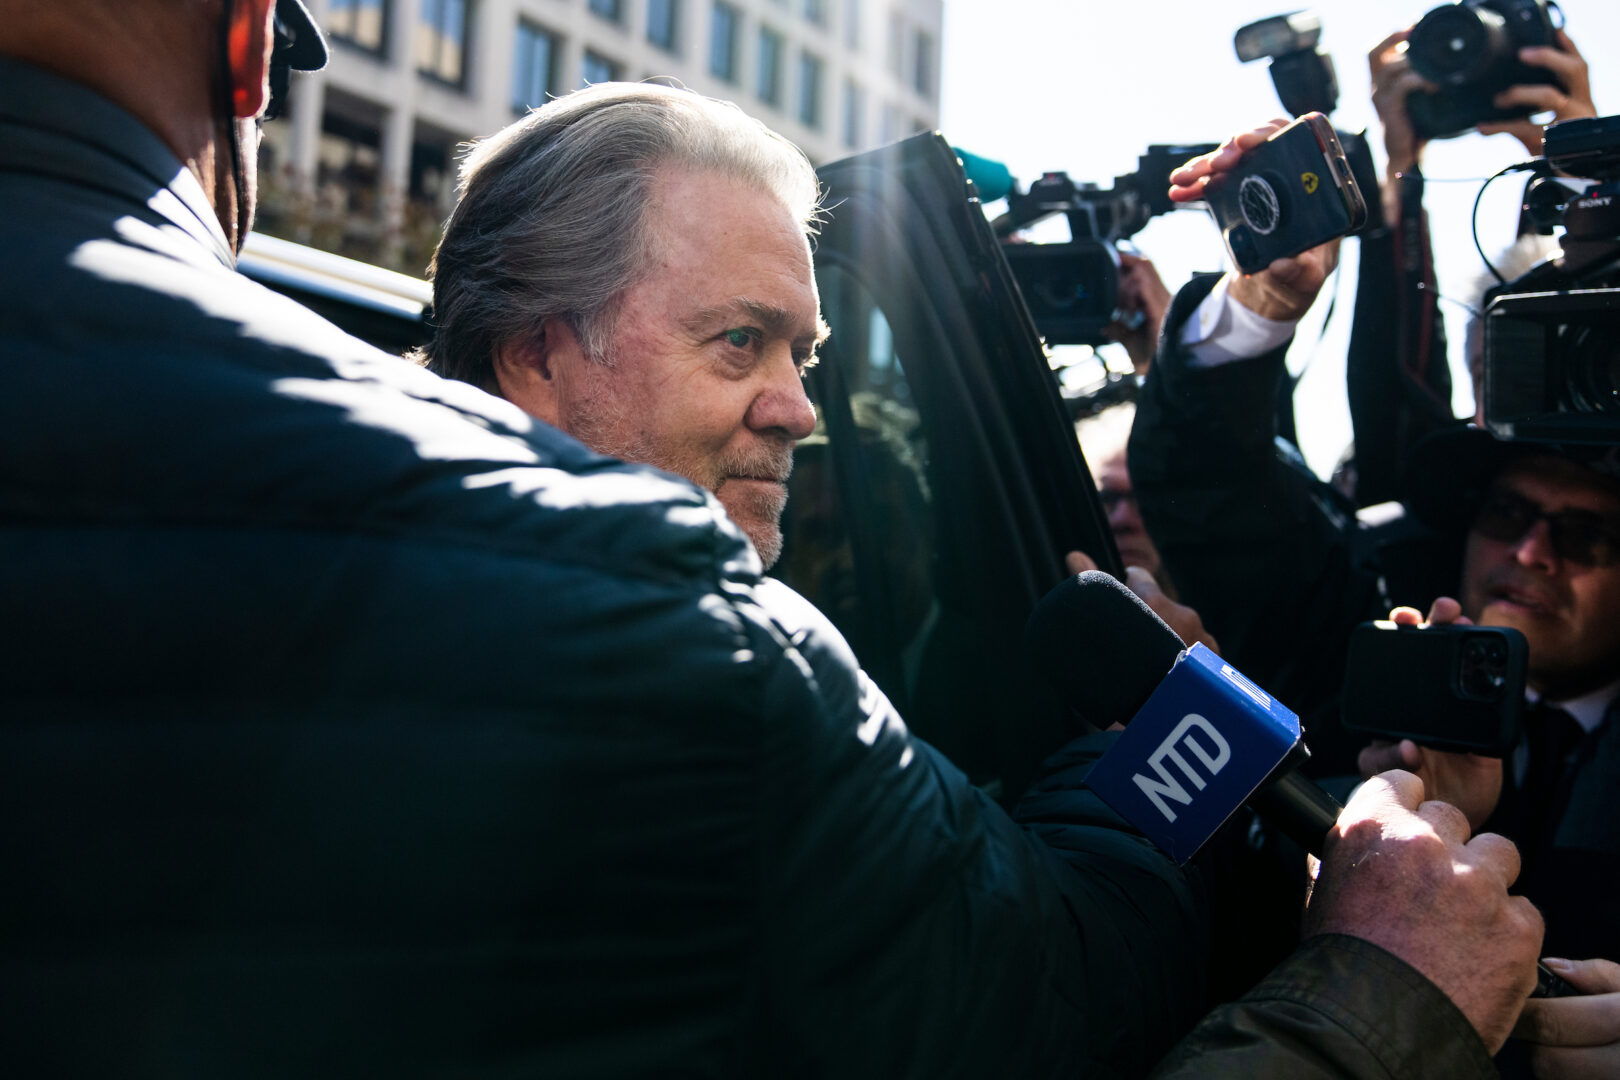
[805,361]
[740,339]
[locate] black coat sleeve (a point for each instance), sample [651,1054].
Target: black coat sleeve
[1253,541]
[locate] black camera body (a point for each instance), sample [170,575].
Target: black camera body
[1072,288]
[1470,50]
[1552,336]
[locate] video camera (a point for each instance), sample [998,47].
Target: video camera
[1552,336]
[1072,288]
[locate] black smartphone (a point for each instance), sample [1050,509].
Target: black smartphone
[1287,195]
[1455,688]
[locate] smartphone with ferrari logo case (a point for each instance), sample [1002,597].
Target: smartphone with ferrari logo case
[1287,195]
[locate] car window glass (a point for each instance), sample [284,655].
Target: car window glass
[871,573]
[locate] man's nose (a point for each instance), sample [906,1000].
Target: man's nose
[1535,547]
[782,405]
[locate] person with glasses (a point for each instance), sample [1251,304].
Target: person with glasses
[1541,554]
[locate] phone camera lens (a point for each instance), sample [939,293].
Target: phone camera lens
[1243,247]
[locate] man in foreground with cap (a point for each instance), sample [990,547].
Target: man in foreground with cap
[354,724]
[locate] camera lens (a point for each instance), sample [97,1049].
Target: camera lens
[1593,375]
[1457,44]
[1241,241]
[1482,668]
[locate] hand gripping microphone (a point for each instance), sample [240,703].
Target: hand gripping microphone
[1200,739]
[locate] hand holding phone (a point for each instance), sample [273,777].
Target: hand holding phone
[1454,687]
[1285,195]
[1283,289]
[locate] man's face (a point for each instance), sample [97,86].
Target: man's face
[1124,519]
[1566,611]
[707,353]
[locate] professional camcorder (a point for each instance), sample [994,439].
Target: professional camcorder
[1072,288]
[1470,50]
[1552,336]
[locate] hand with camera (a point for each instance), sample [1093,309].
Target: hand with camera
[1286,288]
[1470,782]
[1140,308]
[1569,98]
[1393,81]
[1576,1038]
[1401,871]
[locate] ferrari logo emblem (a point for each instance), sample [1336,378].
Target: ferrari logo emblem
[1310,181]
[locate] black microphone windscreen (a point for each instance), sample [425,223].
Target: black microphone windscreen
[1100,647]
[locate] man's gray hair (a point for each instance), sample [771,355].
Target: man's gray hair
[550,219]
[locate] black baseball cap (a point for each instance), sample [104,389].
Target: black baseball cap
[1451,471]
[305,49]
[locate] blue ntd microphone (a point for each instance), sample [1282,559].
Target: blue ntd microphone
[1200,739]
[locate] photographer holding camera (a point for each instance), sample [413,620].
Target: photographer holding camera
[1397,377]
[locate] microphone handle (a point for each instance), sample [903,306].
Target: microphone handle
[1300,808]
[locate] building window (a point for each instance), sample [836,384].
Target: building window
[362,23]
[810,90]
[533,75]
[723,42]
[663,16]
[599,69]
[922,76]
[854,114]
[611,10]
[770,67]
[441,42]
[852,25]
[816,11]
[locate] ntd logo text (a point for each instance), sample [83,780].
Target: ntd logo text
[1195,737]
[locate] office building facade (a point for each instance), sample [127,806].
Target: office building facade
[364,162]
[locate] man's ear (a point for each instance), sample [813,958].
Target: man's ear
[250,40]
[532,372]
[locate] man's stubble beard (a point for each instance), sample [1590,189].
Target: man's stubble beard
[601,420]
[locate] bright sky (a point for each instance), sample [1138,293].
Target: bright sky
[1085,85]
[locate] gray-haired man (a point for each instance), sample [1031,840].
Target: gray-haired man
[631,264]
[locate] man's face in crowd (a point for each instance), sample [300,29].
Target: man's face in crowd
[707,353]
[1569,613]
[1124,519]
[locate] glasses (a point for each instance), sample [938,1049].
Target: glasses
[1578,536]
[1112,498]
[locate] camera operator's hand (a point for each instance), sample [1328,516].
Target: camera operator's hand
[1570,101]
[1577,1038]
[1285,290]
[1393,79]
[1403,874]
[1470,782]
[1143,300]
